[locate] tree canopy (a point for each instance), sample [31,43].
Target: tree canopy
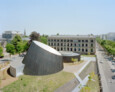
[108,45]
[35,36]
[17,45]
[10,48]
[43,39]
[1,51]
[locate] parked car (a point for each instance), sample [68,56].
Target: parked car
[113,70]
[113,77]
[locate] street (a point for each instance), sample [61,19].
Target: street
[105,68]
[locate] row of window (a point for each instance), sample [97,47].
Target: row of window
[74,49]
[63,40]
[61,44]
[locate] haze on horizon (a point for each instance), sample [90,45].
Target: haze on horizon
[58,16]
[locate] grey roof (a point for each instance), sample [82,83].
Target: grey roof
[68,53]
[71,36]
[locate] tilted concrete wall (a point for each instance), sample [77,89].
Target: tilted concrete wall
[39,61]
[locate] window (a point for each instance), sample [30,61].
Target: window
[79,45]
[71,44]
[64,40]
[91,50]
[57,44]
[67,40]
[82,45]
[51,44]
[82,50]
[86,45]
[74,49]
[61,40]
[54,40]
[79,40]
[64,49]
[91,45]
[86,50]
[86,40]
[91,40]
[48,39]
[71,49]
[67,49]
[82,40]
[71,40]
[61,44]
[58,49]
[68,44]
[54,44]
[57,40]
[61,48]
[79,49]
[75,44]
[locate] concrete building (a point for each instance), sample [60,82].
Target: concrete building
[9,35]
[111,36]
[103,36]
[41,59]
[82,44]
[16,66]
[108,36]
[69,56]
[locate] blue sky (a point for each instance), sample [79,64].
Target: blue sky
[58,16]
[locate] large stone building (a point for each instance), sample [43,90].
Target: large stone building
[82,44]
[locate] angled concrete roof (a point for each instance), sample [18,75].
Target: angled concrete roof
[47,48]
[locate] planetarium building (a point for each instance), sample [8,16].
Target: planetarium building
[42,60]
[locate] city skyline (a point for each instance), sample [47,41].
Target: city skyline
[64,17]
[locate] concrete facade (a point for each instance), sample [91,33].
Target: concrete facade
[16,67]
[81,44]
[41,59]
[68,56]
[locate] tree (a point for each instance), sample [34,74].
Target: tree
[10,48]
[35,36]
[1,51]
[25,46]
[16,39]
[15,42]
[57,34]
[19,47]
[43,39]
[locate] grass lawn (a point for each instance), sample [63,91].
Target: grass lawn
[89,55]
[48,83]
[92,85]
